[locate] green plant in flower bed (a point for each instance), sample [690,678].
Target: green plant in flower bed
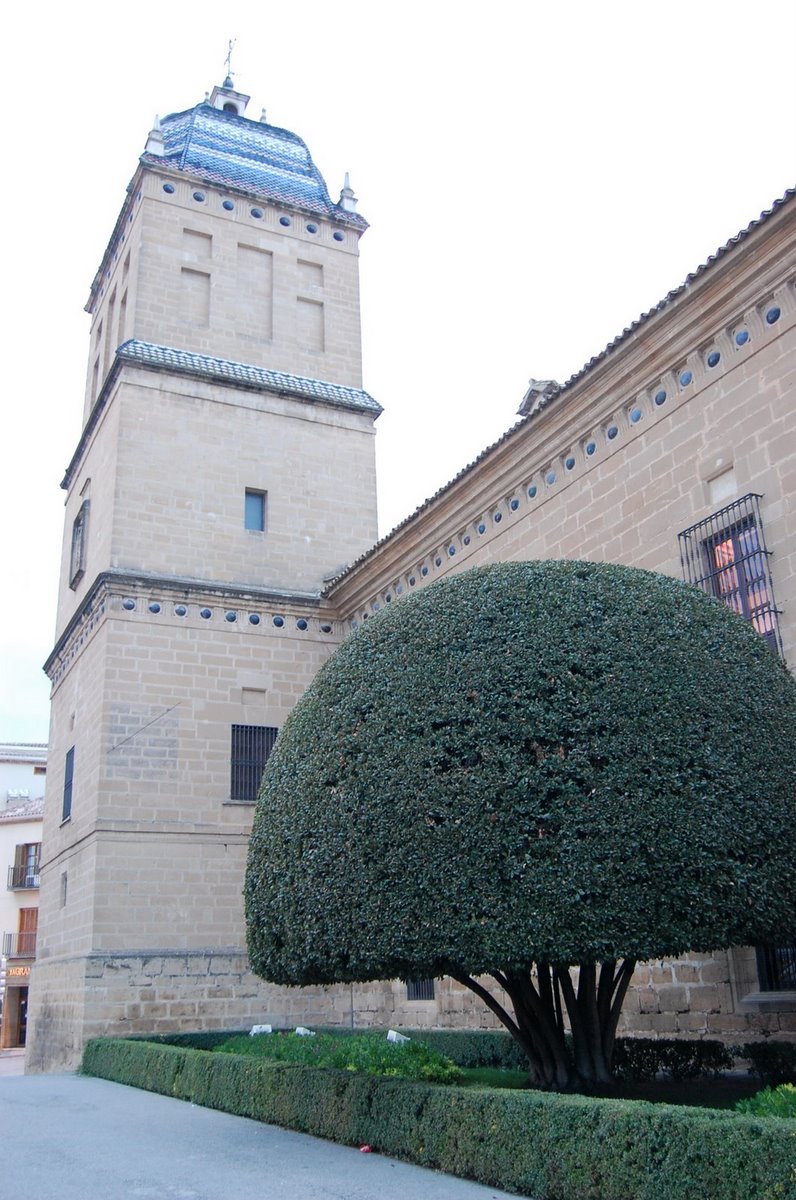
[771,1102]
[368,1052]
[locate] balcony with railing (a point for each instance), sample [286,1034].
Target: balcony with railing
[23,877]
[20,945]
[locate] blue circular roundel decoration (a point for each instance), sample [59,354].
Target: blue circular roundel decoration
[338,236]
[228,205]
[714,358]
[168,188]
[279,622]
[591,448]
[660,397]
[128,604]
[180,610]
[284,221]
[206,613]
[301,623]
[230,616]
[532,490]
[199,197]
[154,607]
[742,337]
[254,619]
[773,315]
[257,213]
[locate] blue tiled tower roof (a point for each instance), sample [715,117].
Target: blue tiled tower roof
[251,156]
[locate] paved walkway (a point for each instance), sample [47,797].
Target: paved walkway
[69,1137]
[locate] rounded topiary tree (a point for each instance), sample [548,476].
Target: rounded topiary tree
[522,769]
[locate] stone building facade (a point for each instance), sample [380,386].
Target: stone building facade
[223,480]
[23,766]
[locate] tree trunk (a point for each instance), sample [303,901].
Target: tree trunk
[537,1025]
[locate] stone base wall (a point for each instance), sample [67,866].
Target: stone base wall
[170,992]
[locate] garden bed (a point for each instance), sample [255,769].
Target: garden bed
[545,1146]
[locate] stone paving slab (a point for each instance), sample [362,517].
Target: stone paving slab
[71,1137]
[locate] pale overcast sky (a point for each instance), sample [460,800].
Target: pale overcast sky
[535,175]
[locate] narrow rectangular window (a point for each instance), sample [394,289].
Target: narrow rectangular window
[25,871]
[251,747]
[254,510]
[69,771]
[726,556]
[77,554]
[420,989]
[776,968]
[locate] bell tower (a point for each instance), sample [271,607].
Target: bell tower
[224,470]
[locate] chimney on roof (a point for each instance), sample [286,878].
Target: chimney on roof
[540,392]
[154,141]
[348,200]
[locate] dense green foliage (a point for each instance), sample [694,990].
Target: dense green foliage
[678,1058]
[771,1102]
[539,1145]
[521,768]
[552,762]
[368,1052]
[774,1062]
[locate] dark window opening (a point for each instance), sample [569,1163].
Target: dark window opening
[69,771]
[77,555]
[254,510]
[420,989]
[251,747]
[776,968]
[726,556]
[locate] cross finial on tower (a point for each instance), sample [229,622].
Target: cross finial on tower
[228,63]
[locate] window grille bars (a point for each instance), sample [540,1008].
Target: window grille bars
[776,968]
[251,746]
[420,989]
[727,557]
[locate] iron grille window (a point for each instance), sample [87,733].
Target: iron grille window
[726,556]
[251,746]
[69,771]
[776,968]
[420,989]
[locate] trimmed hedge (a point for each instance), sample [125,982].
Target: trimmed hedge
[547,740]
[774,1062]
[638,1059]
[549,1147]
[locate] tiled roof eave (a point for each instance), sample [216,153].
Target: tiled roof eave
[565,392]
[331,212]
[225,372]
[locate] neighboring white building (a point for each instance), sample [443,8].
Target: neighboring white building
[23,768]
